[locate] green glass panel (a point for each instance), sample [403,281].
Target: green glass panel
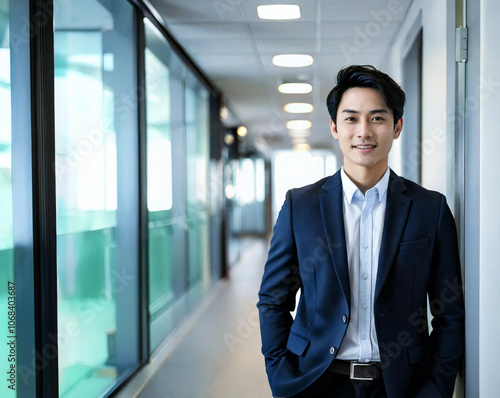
[87,196]
[197,160]
[7,357]
[159,179]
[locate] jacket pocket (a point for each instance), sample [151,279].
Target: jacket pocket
[415,353]
[297,344]
[413,244]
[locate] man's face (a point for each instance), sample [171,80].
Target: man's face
[365,129]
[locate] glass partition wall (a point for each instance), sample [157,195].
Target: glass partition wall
[197,165]
[128,219]
[6,234]
[166,221]
[97,250]
[177,131]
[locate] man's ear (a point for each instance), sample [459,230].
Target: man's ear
[397,128]
[333,129]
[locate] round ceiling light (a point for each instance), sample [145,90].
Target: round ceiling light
[242,131]
[298,125]
[278,11]
[293,60]
[295,88]
[298,107]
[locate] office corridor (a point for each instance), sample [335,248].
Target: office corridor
[221,356]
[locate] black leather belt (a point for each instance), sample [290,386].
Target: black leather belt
[356,370]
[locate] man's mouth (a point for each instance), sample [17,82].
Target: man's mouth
[364,146]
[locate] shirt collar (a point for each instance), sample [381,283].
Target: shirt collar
[351,190]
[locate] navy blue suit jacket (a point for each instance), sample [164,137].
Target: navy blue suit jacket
[418,257]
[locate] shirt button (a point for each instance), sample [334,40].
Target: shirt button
[364,306]
[364,337]
[365,276]
[332,350]
[365,246]
[344,318]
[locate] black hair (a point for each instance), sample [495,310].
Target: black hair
[366,76]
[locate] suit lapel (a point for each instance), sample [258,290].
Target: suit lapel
[396,215]
[333,221]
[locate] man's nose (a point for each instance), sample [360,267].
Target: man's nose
[364,129]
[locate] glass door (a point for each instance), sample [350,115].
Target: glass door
[97,213]
[7,282]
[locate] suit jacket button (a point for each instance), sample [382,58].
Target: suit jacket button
[344,318]
[332,350]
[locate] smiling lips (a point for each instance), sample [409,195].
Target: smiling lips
[364,146]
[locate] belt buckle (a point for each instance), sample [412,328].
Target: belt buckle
[352,368]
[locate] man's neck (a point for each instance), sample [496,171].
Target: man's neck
[365,178]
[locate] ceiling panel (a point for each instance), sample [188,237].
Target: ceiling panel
[220,11]
[235,48]
[283,29]
[227,45]
[209,30]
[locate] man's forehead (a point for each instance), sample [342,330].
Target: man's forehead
[363,98]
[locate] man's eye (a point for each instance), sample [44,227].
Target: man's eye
[350,119]
[378,119]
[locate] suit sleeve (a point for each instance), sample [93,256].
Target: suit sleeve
[447,308]
[279,286]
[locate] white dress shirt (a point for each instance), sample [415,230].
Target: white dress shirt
[363,225]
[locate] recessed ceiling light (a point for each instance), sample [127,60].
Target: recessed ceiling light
[292,60]
[302,147]
[298,125]
[242,131]
[223,112]
[298,107]
[295,88]
[229,139]
[299,133]
[229,191]
[279,11]
[298,140]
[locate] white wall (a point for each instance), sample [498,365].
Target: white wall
[437,19]
[489,195]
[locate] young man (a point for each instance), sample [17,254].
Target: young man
[366,247]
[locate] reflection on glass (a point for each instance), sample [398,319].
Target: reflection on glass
[86,183]
[6,235]
[197,161]
[159,178]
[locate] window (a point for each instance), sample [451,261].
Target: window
[6,233]
[97,253]
[197,161]
[165,231]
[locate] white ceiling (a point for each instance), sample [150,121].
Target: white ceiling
[235,48]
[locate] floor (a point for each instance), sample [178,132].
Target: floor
[221,356]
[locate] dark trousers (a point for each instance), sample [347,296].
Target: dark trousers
[334,385]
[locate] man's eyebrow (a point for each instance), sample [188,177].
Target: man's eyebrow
[371,112]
